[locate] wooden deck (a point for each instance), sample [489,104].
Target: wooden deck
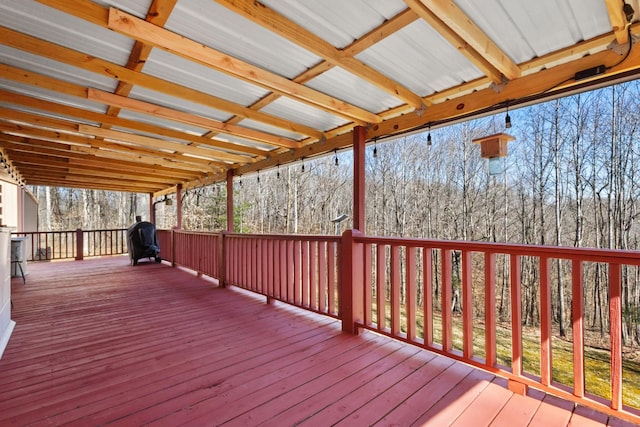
[99,342]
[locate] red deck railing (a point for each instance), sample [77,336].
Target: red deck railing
[300,270]
[405,288]
[394,295]
[53,245]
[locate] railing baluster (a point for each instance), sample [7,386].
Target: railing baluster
[427,292]
[615,322]
[297,267]
[322,267]
[490,308]
[313,275]
[290,271]
[516,315]
[331,265]
[545,322]
[395,289]
[368,285]
[467,306]
[411,305]
[577,311]
[305,274]
[381,279]
[447,294]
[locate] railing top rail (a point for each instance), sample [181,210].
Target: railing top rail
[198,232]
[300,237]
[67,231]
[562,252]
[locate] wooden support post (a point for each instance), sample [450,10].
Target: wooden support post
[230,200]
[352,282]
[152,210]
[358,179]
[179,206]
[79,244]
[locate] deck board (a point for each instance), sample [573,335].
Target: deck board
[99,342]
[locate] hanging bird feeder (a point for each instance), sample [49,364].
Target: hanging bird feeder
[494,148]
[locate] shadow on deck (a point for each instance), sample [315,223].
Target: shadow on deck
[100,342]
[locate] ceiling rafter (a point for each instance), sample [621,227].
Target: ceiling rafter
[81,142]
[35,146]
[158,13]
[379,33]
[68,56]
[155,143]
[97,183]
[59,166]
[81,114]
[618,20]
[461,25]
[191,119]
[489,59]
[138,29]
[273,21]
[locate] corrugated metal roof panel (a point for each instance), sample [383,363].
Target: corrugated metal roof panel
[525,30]
[298,112]
[157,121]
[47,95]
[337,21]
[176,69]
[423,70]
[47,114]
[216,26]
[252,124]
[179,104]
[244,142]
[343,85]
[55,69]
[35,19]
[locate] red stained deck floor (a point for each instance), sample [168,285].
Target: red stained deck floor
[99,342]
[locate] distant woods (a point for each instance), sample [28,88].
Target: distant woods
[572,179]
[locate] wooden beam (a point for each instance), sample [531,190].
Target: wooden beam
[54,167]
[75,158]
[160,144]
[192,119]
[273,21]
[456,40]
[455,19]
[83,115]
[386,29]
[618,20]
[101,148]
[81,60]
[107,185]
[139,29]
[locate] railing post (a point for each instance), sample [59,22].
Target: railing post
[352,282]
[79,244]
[222,259]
